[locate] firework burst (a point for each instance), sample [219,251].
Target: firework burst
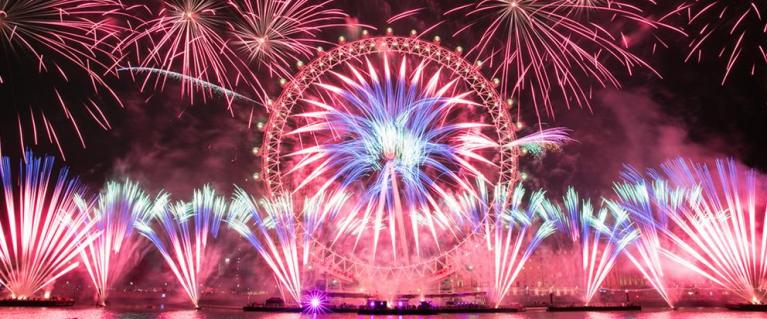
[733,31]
[115,211]
[181,232]
[189,37]
[49,47]
[42,229]
[547,50]
[277,33]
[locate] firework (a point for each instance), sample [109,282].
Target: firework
[277,33]
[717,230]
[648,203]
[49,47]
[394,128]
[274,232]
[229,94]
[43,230]
[600,236]
[734,31]
[108,257]
[189,37]
[181,232]
[547,50]
[517,231]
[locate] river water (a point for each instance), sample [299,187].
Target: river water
[99,313]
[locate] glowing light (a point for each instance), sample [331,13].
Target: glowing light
[185,41]
[275,33]
[518,230]
[273,232]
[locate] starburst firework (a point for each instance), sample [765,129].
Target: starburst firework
[547,51]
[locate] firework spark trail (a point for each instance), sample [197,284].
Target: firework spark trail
[274,233]
[739,29]
[107,258]
[517,233]
[600,237]
[648,204]
[551,137]
[181,232]
[395,128]
[187,37]
[716,230]
[195,81]
[548,50]
[60,43]
[404,14]
[278,33]
[42,231]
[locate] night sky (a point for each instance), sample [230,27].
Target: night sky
[164,142]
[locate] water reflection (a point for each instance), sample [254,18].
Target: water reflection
[100,313]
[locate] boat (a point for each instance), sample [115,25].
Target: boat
[263,308]
[274,304]
[480,309]
[37,302]
[631,307]
[746,307]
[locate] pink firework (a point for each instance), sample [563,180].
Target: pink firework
[190,37]
[49,47]
[277,34]
[710,221]
[544,50]
[183,233]
[733,31]
[112,254]
[42,230]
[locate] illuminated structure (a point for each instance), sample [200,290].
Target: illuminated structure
[389,75]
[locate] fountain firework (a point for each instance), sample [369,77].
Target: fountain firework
[274,233]
[181,232]
[115,211]
[709,222]
[43,230]
[517,231]
[648,203]
[600,237]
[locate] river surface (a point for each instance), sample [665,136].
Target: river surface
[99,313]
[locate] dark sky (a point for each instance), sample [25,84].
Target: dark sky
[162,141]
